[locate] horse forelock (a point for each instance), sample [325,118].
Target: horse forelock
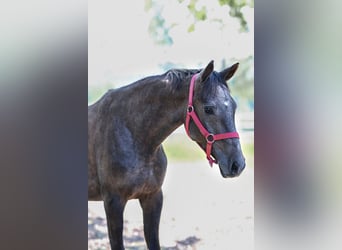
[210,87]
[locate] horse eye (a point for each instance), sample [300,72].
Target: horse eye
[209,110]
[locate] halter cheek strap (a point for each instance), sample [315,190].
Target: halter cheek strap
[210,138]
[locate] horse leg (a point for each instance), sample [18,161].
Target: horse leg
[152,206]
[114,207]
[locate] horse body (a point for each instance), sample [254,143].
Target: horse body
[125,157]
[126,154]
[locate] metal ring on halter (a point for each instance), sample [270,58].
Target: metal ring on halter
[190,109]
[210,138]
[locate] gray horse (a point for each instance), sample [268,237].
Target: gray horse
[127,126]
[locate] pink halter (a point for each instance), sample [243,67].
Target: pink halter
[211,138]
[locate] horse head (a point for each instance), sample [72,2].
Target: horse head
[215,109]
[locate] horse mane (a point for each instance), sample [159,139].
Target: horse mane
[175,80]
[177,76]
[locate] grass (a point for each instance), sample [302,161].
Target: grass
[178,147]
[248,152]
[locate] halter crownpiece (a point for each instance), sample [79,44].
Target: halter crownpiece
[210,138]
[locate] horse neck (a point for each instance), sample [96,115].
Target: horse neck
[157,110]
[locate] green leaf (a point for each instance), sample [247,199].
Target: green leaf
[191,28]
[202,14]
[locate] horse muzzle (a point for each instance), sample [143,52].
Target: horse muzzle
[234,169]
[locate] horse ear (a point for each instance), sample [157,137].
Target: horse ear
[204,74]
[227,73]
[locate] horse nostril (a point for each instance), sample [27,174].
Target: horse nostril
[235,168]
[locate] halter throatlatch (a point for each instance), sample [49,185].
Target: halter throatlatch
[210,138]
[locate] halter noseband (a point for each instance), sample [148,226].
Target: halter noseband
[210,138]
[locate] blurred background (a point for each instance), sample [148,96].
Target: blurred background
[135,39]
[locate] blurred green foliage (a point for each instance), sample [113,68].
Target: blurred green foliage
[199,15]
[159,29]
[235,10]
[96,91]
[242,84]
[179,148]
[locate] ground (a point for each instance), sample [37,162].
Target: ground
[201,211]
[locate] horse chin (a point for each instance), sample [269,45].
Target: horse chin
[225,172]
